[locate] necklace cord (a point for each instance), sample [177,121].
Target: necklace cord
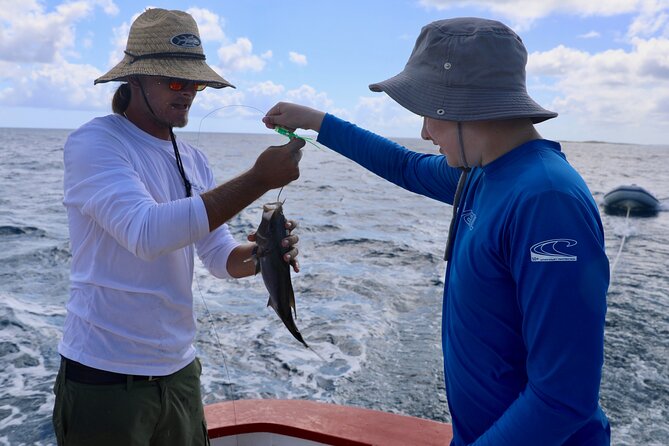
[180,165]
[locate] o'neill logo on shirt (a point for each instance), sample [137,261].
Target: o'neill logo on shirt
[469,217]
[552,251]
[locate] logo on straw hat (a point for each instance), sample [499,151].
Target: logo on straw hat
[186,40]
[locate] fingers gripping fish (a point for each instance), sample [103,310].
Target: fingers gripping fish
[275,271]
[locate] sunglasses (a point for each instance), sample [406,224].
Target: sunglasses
[180,84]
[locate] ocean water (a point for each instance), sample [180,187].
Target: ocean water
[368,296]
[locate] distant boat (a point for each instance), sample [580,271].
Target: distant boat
[630,200]
[309,423]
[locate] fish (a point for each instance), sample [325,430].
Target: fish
[274,269]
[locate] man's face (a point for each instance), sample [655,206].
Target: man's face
[170,99]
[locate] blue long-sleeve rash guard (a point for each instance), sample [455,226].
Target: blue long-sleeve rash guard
[525,295]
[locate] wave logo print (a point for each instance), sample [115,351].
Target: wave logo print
[550,251]
[469,217]
[186,40]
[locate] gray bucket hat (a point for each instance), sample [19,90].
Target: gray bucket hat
[165,43]
[465,69]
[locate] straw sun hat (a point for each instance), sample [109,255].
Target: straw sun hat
[465,69]
[165,43]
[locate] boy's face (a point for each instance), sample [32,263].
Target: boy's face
[445,135]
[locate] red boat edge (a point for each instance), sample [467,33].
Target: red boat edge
[325,423]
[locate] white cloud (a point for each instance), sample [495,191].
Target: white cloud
[28,33]
[239,56]
[307,95]
[60,85]
[297,58]
[590,35]
[209,24]
[605,93]
[652,20]
[612,87]
[381,114]
[212,103]
[525,12]
[267,88]
[119,40]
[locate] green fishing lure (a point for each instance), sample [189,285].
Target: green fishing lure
[291,135]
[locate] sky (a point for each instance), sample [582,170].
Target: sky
[603,65]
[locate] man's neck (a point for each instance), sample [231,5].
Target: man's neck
[147,123]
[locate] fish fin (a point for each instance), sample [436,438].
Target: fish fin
[254,258]
[276,310]
[292,305]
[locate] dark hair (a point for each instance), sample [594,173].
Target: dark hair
[121,99]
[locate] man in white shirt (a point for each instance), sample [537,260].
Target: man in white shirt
[140,203]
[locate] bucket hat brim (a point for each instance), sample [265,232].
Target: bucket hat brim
[460,104]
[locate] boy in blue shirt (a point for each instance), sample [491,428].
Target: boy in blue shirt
[527,274]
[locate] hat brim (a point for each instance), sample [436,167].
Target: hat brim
[192,70]
[461,103]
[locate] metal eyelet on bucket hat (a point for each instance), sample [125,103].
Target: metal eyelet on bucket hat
[441,111]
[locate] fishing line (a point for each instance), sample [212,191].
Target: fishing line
[280,130]
[219,344]
[622,243]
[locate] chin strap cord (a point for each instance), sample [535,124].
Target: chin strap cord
[452,229]
[180,165]
[177,155]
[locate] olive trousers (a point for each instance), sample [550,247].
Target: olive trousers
[164,411]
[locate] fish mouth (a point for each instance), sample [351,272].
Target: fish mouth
[268,207]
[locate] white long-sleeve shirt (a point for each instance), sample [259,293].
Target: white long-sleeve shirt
[132,235]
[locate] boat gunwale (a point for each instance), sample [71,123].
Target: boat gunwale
[327,423]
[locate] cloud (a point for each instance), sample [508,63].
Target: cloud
[590,35]
[209,24]
[652,20]
[60,85]
[297,58]
[34,47]
[381,114]
[525,12]
[239,56]
[267,88]
[309,96]
[608,87]
[213,103]
[28,33]
[608,91]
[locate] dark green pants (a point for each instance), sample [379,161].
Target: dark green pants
[165,412]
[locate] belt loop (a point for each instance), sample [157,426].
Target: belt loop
[128,383]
